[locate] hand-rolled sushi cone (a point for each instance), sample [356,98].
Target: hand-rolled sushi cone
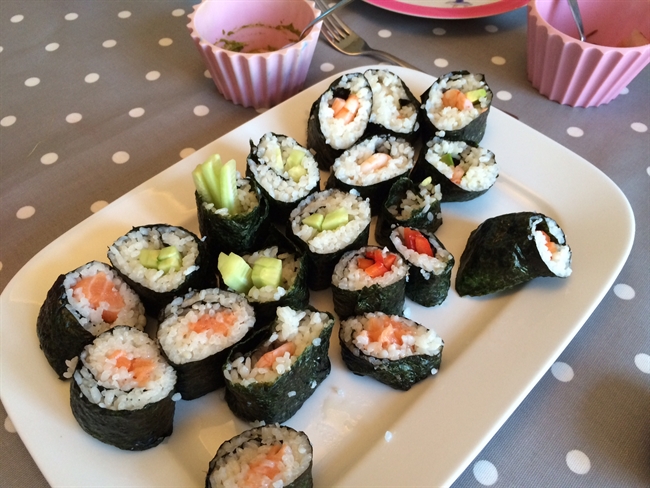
[509,250]
[463,169]
[271,455]
[411,205]
[369,279]
[456,107]
[122,389]
[272,380]
[79,306]
[197,333]
[393,350]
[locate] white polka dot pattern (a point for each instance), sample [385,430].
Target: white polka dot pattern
[562,371]
[485,472]
[642,361]
[121,157]
[624,292]
[578,462]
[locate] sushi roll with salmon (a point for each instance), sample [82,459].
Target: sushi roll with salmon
[197,333]
[122,390]
[270,382]
[79,306]
[391,349]
[267,456]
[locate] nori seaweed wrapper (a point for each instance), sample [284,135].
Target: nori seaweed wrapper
[424,219]
[502,253]
[473,131]
[278,401]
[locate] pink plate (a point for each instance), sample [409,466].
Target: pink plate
[449,9]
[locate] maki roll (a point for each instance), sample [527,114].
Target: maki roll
[511,249]
[268,456]
[371,166]
[197,333]
[79,306]
[393,350]
[325,225]
[339,117]
[456,107]
[369,279]
[122,389]
[411,205]
[271,382]
[394,107]
[160,262]
[284,171]
[430,265]
[463,170]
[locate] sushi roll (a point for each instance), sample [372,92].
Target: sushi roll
[325,225]
[371,166]
[393,350]
[339,118]
[79,306]
[284,171]
[511,249]
[394,107]
[411,205]
[271,382]
[456,107]
[122,390]
[160,262]
[267,456]
[430,265]
[463,170]
[369,279]
[197,333]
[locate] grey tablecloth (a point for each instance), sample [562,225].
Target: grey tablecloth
[98,96]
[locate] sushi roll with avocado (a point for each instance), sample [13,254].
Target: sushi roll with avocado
[197,333]
[79,306]
[122,390]
[456,107]
[463,170]
[430,265]
[369,279]
[371,166]
[511,249]
[325,225]
[267,456]
[391,349]
[271,381]
[411,205]
[160,262]
[339,118]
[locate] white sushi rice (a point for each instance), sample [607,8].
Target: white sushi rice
[245,199]
[427,196]
[436,264]
[290,265]
[451,118]
[348,276]
[183,345]
[132,314]
[115,388]
[387,96]
[559,261]
[478,163]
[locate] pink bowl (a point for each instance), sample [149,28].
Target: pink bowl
[255,79]
[585,74]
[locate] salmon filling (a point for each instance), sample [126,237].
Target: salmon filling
[100,292]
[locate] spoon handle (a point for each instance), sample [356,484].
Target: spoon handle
[575,10]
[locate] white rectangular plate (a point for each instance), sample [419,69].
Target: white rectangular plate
[496,348]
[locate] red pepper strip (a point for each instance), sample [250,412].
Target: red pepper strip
[389,260]
[365,263]
[409,238]
[422,245]
[376,270]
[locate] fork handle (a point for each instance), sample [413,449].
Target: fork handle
[389,57]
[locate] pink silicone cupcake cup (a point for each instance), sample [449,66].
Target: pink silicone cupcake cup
[261,79]
[585,74]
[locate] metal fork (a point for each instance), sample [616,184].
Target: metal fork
[346,41]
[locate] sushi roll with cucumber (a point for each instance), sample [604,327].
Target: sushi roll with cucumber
[197,333]
[267,456]
[409,204]
[463,169]
[79,306]
[122,390]
[511,249]
[430,265]
[456,107]
[270,382]
[339,118]
[369,279]
[391,349]
[284,171]
[160,262]
[371,166]
[325,225]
